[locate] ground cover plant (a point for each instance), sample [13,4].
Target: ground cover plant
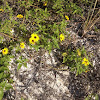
[42,24]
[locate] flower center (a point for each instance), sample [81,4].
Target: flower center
[35,37]
[86,62]
[32,40]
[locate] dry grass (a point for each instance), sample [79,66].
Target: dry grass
[91,21]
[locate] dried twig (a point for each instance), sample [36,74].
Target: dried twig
[8,36]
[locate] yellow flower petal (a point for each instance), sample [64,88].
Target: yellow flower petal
[62,37]
[20,16]
[85,62]
[5,51]
[31,40]
[35,37]
[1,10]
[86,71]
[22,45]
[45,3]
[66,17]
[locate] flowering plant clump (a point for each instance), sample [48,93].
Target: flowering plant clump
[74,59]
[85,62]
[62,37]
[5,51]
[22,45]
[20,16]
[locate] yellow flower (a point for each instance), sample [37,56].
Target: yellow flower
[62,37]
[20,16]
[78,52]
[22,45]
[45,3]
[1,10]
[31,40]
[5,51]
[85,62]
[66,17]
[35,37]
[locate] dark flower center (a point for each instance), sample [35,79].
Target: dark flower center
[32,40]
[86,61]
[35,37]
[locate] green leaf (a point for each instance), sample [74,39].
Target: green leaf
[1,93]
[64,59]
[49,48]
[22,98]
[8,86]
[6,63]
[25,64]
[2,84]
[86,98]
[36,47]
[45,10]
[96,97]
[2,68]
[0,55]
[1,75]
[11,81]
[19,66]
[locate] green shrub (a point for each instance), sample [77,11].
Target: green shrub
[77,60]
[5,80]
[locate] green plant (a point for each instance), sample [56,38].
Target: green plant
[76,60]
[92,97]
[21,61]
[5,80]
